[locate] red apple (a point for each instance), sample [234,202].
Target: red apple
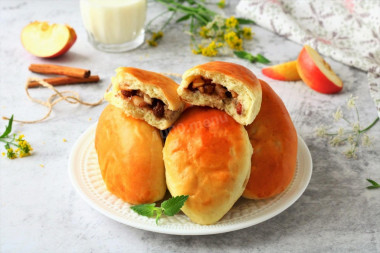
[47,41]
[285,71]
[316,72]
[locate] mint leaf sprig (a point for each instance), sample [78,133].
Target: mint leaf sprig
[252,58]
[375,185]
[169,207]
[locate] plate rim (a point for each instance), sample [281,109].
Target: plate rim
[205,231]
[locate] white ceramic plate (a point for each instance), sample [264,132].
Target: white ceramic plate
[87,180]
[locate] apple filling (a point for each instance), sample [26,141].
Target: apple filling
[143,100]
[207,86]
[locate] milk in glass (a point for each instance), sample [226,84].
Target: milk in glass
[114,25]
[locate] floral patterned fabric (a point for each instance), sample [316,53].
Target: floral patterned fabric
[345,30]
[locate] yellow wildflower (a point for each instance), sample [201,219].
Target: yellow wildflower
[41,165]
[231,22]
[203,31]
[22,154]
[247,33]
[3,153]
[198,49]
[194,51]
[238,44]
[64,140]
[230,36]
[210,50]
[24,148]
[152,43]
[11,154]
[222,4]
[155,37]
[233,41]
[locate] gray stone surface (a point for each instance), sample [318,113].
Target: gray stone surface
[41,212]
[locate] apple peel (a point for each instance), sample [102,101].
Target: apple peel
[317,73]
[285,71]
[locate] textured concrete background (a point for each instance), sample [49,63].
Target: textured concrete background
[41,212]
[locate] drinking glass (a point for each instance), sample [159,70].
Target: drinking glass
[114,25]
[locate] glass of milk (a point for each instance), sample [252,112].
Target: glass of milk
[114,25]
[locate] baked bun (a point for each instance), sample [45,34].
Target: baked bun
[146,95]
[130,157]
[207,156]
[223,85]
[274,141]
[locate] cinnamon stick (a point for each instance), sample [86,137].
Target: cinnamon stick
[59,70]
[56,81]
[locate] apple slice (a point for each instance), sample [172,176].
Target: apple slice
[316,72]
[47,41]
[285,71]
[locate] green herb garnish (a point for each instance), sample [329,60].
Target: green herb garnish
[169,207]
[252,58]
[244,21]
[374,185]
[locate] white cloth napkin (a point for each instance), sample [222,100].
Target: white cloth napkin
[345,30]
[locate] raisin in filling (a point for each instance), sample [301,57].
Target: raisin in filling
[140,99]
[206,86]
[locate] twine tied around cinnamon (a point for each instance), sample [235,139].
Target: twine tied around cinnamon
[71,97]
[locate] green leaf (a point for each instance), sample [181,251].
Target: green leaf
[260,58]
[373,182]
[158,214]
[8,128]
[145,209]
[173,205]
[245,55]
[374,185]
[244,21]
[169,207]
[183,18]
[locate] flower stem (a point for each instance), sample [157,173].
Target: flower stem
[348,122]
[168,21]
[150,22]
[357,114]
[370,126]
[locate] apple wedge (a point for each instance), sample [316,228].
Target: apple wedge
[285,71]
[47,41]
[317,73]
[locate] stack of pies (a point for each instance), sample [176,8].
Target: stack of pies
[234,139]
